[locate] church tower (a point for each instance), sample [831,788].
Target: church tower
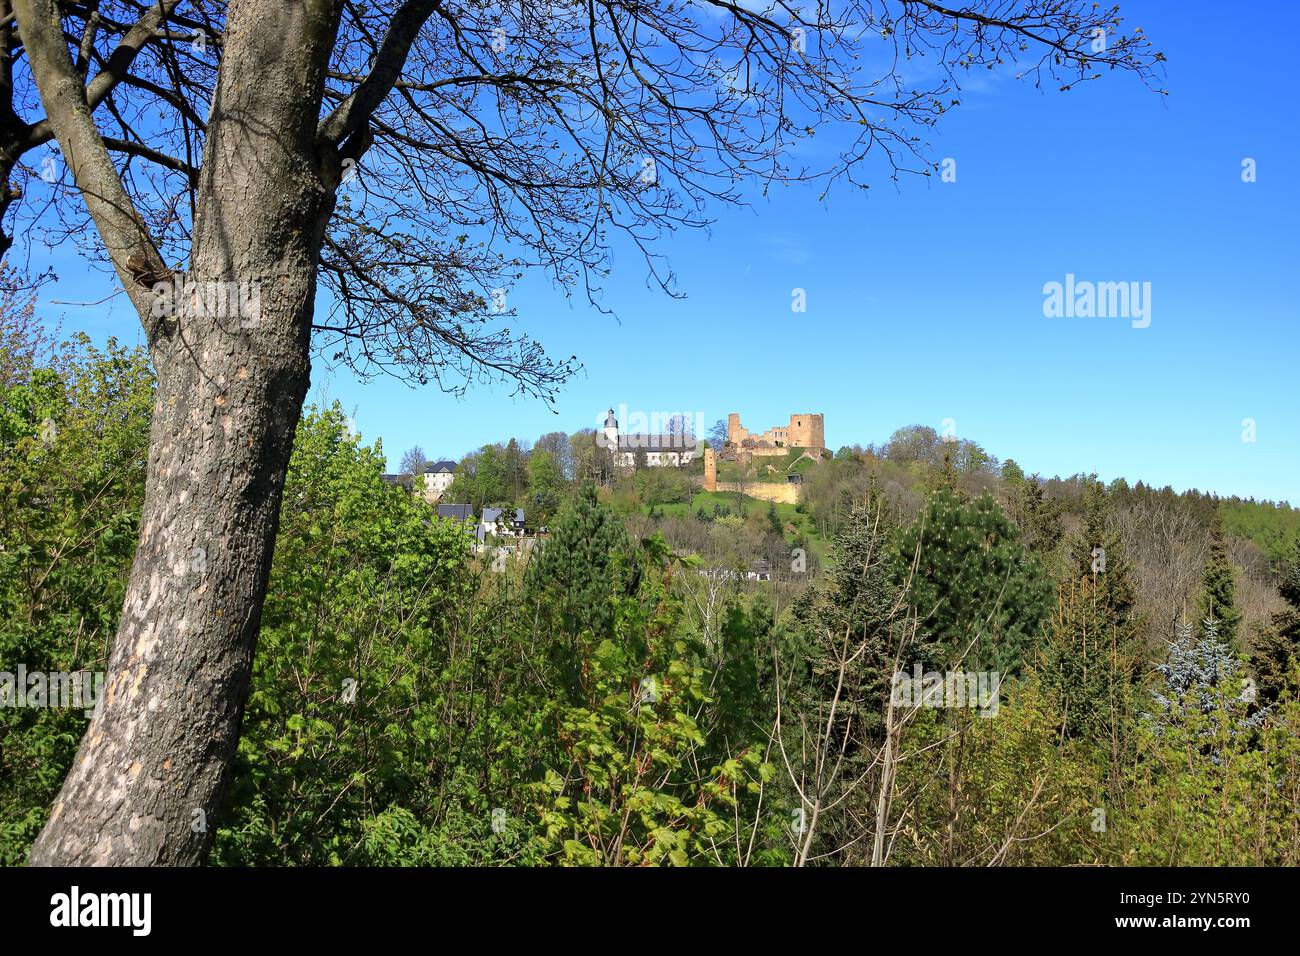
[611,431]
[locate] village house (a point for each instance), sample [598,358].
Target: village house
[499,523]
[438,477]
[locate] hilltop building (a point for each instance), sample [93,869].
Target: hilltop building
[804,431]
[660,450]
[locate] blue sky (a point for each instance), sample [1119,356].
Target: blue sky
[925,301]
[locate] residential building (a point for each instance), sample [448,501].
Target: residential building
[438,477]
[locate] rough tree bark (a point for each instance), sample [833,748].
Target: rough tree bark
[153,766]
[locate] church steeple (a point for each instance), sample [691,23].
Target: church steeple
[611,431]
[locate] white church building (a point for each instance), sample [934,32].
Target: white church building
[675,448]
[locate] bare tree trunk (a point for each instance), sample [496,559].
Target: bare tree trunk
[888,772]
[153,767]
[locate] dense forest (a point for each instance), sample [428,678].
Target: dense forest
[628,695]
[300,662]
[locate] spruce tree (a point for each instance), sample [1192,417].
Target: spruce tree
[774,521]
[852,622]
[1089,666]
[1040,516]
[1277,650]
[1200,678]
[1218,600]
[857,599]
[1090,659]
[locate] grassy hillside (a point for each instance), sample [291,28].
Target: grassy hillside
[743,506]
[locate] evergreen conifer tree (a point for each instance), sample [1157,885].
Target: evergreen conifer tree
[1277,649]
[586,563]
[1218,600]
[976,586]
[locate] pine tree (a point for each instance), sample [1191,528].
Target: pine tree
[976,586]
[1218,600]
[583,566]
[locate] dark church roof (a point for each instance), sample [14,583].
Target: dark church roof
[657,443]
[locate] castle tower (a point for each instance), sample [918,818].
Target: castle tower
[710,470]
[736,433]
[806,431]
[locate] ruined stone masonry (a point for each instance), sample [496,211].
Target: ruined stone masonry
[804,431]
[782,494]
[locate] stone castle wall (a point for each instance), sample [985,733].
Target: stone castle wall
[782,494]
[803,431]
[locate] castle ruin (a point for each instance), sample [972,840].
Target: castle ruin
[804,431]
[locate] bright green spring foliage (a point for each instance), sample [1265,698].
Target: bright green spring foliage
[1274,527]
[73,442]
[414,704]
[635,783]
[1002,789]
[635,779]
[1213,784]
[352,662]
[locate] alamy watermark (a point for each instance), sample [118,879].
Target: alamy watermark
[972,689]
[61,689]
[75,908]
[1083,299]
[184,297]
[631,429]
